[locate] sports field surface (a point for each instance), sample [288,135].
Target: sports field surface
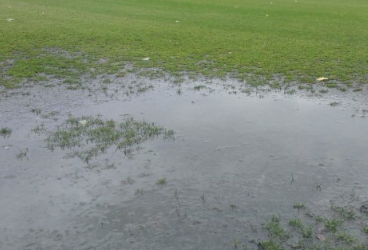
[293,40]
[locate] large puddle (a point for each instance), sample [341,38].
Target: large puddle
[235,161]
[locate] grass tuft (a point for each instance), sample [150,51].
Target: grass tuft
[161,182]
[90,136]
[5,132]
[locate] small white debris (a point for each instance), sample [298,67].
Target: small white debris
[230,53]
[6,147]
[266,15]
[83,122]
[10,19]
[146,59]
[320,79]
[177,21]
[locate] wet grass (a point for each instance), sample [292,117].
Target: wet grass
[5,132]
[345,213]
[321,234]
[90,136]
[333,224]
[250,40]
[22,154]
[161,182]
[299,206]
[334,104]
[275,229]
[305,237]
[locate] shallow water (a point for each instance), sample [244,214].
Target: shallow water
[236,160]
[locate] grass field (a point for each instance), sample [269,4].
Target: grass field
[299,40]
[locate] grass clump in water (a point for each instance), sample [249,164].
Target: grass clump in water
[275,229]
[333,224]
[321,234]
[5,132]
[161,181]
[94,135]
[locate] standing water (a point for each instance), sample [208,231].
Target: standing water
[235,161]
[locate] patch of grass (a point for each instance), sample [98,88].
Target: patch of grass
[334,104]
[343,236]
[22,154]
[331,85]
[161,182]
[39,129]
[297,223]
[333,224]
[307,232]
[297,40]
[275,230]
[49,115]
[358,90]
[199,87]
[363,246]
[5,132]
[36,111]
[323,91]
[303,237]
[91,136]
[299,206]
[319,218]
[236,243]
[345,213]
[269,245]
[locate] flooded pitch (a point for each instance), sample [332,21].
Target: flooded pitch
[236,160]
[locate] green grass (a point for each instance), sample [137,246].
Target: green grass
[297,223]
[275,229]
[5,132]
[333,224]
[22,154]
[344,236]
[161,182]
[91,136]
[299,40]
[299,206]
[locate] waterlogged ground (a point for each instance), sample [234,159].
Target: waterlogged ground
[236,160]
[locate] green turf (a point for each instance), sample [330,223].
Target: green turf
[301,40]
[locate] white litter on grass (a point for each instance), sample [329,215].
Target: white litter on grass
[267,15]
[83,122]
[146,59]
[322,78]
[177,21]
[10,19]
